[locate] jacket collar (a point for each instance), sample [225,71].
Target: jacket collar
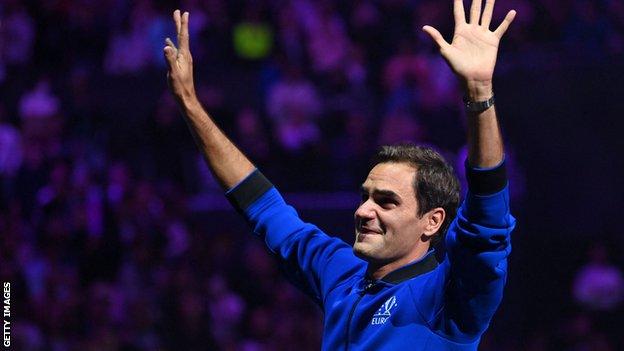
[424,265]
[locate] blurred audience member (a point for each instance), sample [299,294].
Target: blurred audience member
[10,147]
[294,106]
[599,284]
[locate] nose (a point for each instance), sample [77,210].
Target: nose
[365,211]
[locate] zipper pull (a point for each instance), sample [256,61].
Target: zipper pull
[369,284]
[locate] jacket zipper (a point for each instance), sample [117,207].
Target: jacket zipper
[369,285]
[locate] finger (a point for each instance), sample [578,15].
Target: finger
[500,31]
[436,36]
[486,18]
[458,11]
[170,57]
[170,43]
[475,11]
[183,40]
[178,23]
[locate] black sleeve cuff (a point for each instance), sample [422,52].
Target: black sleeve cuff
[486,181]
[249,190]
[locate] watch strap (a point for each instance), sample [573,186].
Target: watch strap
[478,106]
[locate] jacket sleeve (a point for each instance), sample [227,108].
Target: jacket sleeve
[312,260]
[478,243]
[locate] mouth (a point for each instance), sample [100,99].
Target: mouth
[363,231]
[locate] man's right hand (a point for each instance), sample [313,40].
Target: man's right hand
[180,62]
[227,163]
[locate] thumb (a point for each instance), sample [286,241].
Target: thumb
[170,52]
[436,36]
[169,56]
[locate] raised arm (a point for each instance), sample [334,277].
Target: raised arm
[227,162]
[472,56]
[313,260]
[478,241]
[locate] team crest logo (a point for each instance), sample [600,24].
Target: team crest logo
[384,312]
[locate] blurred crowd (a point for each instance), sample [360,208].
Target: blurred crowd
[97,166]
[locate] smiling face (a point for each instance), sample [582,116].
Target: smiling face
[388,230]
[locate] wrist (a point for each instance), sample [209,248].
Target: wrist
[190,103]
[478,90]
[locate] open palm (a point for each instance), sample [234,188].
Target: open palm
[472,52]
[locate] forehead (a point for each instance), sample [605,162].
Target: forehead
[398,177]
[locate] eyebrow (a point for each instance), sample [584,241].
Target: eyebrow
[382,192]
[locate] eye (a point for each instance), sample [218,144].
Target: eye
[387,203]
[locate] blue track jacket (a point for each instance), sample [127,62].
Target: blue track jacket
[424,305]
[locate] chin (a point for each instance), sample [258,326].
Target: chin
[364,251]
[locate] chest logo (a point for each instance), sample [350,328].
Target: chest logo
[384,312]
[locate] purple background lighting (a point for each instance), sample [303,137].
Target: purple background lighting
[114,235]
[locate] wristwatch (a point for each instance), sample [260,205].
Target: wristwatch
[478,106]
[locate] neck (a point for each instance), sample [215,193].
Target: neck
[379,270]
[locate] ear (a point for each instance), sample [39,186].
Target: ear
[434,219]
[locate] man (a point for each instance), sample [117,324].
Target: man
[388,292]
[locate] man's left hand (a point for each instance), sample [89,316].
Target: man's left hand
[472,53]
